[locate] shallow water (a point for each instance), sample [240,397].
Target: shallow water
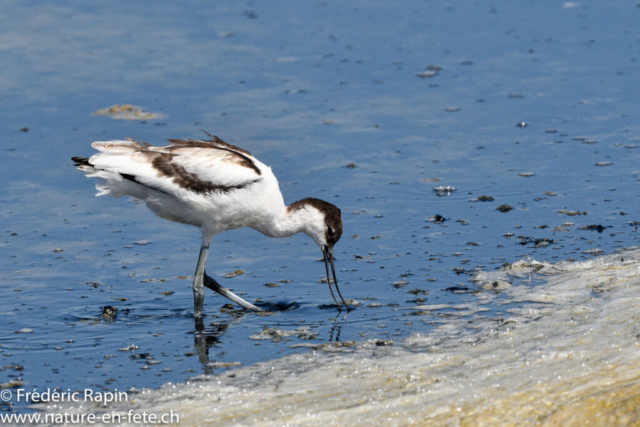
[308,90]
[564,354]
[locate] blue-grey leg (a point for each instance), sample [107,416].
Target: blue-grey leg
[215,286]
[198,280]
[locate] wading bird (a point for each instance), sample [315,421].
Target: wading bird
[215,186]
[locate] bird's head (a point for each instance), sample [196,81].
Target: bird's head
[323,223]
[321,220]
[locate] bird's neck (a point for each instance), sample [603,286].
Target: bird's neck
[288,223]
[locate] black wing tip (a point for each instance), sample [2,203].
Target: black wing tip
[81,161]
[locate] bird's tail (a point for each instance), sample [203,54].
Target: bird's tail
[81,161]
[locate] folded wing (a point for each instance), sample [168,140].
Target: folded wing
[183,168]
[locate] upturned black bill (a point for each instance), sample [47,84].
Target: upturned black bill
[328,259]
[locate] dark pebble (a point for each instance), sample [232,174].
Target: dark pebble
[438,219]
[593,227]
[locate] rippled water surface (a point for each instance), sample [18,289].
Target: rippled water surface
[372,106]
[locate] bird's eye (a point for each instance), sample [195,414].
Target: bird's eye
[330,231]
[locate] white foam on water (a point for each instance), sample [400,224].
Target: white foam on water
[566,353]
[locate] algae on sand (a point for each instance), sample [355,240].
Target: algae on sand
[126,112]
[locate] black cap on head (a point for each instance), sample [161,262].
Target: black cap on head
[332,217]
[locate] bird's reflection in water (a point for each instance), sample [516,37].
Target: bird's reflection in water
[208,336]
[205,339]
[279,306]
[334,332]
